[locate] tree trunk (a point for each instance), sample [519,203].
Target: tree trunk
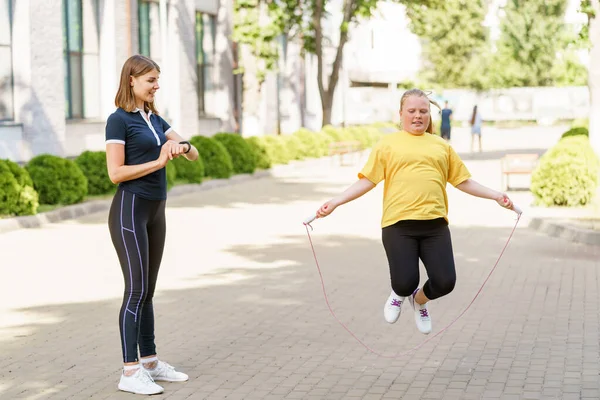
[594,77]
[327,93]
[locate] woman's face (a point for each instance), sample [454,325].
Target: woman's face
[415,115]
[145,86]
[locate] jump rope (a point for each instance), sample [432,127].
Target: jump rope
[307,224]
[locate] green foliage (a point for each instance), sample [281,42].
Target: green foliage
[189,171]
[261,156]
[217,161]
[276,149]
[567,175]
[93,166]
[533,32]
[57,180]
[295,147]
[580,123]
[171,174]
[454,40]
[9,191]
[241,153]
[580,131]
[28,199]
[312,143]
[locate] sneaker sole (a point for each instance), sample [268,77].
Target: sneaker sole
[134,392]
[170,380]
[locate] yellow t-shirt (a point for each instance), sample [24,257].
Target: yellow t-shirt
[416,170]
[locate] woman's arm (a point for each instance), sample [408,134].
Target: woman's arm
[193,153]
[119,172]
[476,189]
[357,189]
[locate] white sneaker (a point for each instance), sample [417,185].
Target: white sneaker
[165,372]
[392,308]
[139,383]
[422,317]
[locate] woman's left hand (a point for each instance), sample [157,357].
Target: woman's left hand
[177,149]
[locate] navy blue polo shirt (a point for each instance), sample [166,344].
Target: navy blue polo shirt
[143,141]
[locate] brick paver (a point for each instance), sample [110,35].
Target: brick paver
[240,307]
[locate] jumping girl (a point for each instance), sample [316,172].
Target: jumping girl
[416,166]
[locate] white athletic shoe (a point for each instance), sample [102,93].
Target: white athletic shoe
[165,372]
[422,317]
[392,308]
[139,383]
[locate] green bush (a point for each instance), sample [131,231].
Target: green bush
[93,166]
[277,149]
[567,175]
[580,123]
[337,134]
[57,180]
[171,174]
[10,191]
[28,200]
[240,151]
[261,157]
[189,171]
[312,146]
[580,131]
[295,147]
[217,161]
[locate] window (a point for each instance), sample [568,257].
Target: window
[81,58]
[205,57]
[6,71]
[149,30]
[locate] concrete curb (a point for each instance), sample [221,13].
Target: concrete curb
[90,207]
[562,229]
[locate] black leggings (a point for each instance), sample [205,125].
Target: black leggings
[137,229]
[407,241]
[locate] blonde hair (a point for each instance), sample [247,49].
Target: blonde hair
[419,93]
[135,66]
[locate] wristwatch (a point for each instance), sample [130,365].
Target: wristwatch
[189,145]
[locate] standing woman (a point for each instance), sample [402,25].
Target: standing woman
[476,122]
[139,144]
[416,167]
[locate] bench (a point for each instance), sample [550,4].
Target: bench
[517,164]
[342,148]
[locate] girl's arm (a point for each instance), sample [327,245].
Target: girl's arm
[476,189]
[357,189]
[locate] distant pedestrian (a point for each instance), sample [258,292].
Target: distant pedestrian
[476,122]
[446,126]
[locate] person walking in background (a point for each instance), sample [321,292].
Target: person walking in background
[446,126]
[476,122]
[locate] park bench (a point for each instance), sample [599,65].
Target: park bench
[343,148]
[517,164]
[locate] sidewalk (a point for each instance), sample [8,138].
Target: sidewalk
[240,306]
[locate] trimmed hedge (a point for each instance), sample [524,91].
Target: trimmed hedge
[171,174]
[93,166]
[580,131]
[217,161]
[261,157]
[57,180]
[28,199]
[312,145]
[189,171]
[277,149]
[567,175]
[241,153]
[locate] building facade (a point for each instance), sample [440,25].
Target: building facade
[60,62]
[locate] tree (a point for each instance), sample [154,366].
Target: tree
[302,20]
[532,34]
[455,41]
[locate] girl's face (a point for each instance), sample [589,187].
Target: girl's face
[145,86]
[415,114]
